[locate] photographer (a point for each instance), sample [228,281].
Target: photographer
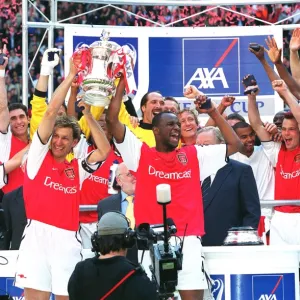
[111,276]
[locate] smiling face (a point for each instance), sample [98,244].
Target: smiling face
[153,106]
[171,106]
[247,137]
[62,142]
[188,125]
[290,133]
[19,122]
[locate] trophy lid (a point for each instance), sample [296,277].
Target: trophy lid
[105,42]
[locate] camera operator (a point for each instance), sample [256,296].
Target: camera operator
[111,275]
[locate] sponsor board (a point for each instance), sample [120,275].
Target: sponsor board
[7,287]
[263,286]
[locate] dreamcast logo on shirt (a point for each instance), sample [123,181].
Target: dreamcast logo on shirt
[59,187]
[172,175]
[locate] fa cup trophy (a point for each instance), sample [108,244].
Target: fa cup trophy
[102,63]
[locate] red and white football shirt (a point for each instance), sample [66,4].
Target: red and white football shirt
[51,188]
[182,169]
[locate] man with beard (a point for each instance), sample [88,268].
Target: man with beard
[181,168]
[151,104]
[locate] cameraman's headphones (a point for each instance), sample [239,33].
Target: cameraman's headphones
[129,236]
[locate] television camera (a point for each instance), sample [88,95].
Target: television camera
[166,259]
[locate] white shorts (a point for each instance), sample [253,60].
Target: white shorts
[192,276]
[47,258]
[86,230]
[285,229]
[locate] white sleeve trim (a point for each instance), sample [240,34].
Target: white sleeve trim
[211,158]
[130,150]
[36,155]
[3,176]
[271,149]
[5,142]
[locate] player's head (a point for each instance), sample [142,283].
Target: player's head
[234,118]
[209,135]
[189,123]
[171,104]
[278,119]
[151,104]
[113,234]
[102,123]
[166,129]
[246,134]
[290,131]
[66,134]
[19,119]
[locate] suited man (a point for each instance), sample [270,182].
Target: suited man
[118,202]
[230,198]
[15,218]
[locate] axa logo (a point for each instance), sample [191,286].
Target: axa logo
[205,78]
[267,297]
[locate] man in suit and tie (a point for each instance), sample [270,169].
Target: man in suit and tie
[123,202]
[230,196]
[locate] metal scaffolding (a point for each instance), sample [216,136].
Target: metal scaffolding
[53,23]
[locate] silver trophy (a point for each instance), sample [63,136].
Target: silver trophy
[98,88]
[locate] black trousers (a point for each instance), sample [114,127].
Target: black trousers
[15,218]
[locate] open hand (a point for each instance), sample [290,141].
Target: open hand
[274,52]
[295,40]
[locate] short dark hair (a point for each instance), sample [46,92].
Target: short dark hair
[288,115]
[240,125]
[15,106]
[144,99]
[235,116]
[170,98]
[108,243]
[157,118]
[69,122]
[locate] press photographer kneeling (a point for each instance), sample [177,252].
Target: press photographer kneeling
[111,276]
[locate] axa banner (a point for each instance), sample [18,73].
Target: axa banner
[7,288]
[263,287]
[213,59]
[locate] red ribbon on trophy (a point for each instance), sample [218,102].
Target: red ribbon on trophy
[122,61]
[84,56]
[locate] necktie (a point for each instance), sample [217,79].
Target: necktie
[129,211]
[205,188]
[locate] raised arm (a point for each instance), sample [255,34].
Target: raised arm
[233,142]
[4,114]
[275,55]
[260,55]
[72,99]
[38,102]
[281,88]
[294,55]
[114,125]
[225,102]
[254,116]
[100,140]
[47,124]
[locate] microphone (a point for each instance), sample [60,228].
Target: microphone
[171,225]
[163,193]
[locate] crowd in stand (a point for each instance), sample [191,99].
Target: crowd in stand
[11,27]
[62,157]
